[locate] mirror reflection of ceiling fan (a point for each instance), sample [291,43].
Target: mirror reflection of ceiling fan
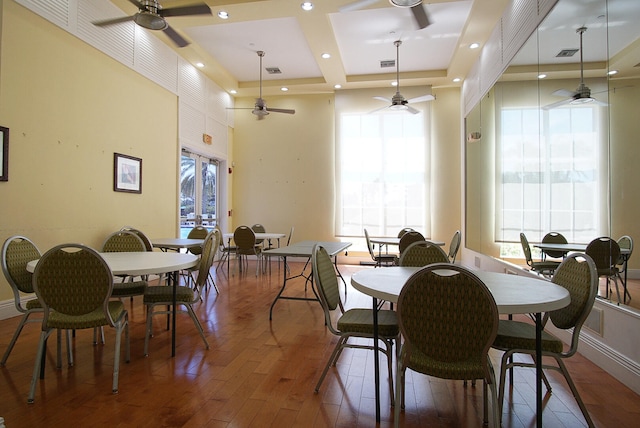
[399,102]
[152,16]
[417,8]
[582,95]
[260,109]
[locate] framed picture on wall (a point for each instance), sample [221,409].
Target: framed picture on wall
[4,154]
[127,173]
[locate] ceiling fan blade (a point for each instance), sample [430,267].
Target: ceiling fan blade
[177,38]
[386,100]
[411,109]
[356,5]
[558,104]
[195,9]
[378,109]
[106,22]
[420,15]
[422,99]
[280,110]
[564,93]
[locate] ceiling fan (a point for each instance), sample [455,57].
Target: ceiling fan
[418,10]
[260,109]
[582,94]
[399,102]
[152,16]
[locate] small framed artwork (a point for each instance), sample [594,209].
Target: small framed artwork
[4,154]
[127,173]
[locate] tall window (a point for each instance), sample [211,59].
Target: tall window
[381,172]
[198,189]
[548,173]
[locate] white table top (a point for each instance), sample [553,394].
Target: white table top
[514,294]
[176,243]
[142,262]
[303,248]
[570,247]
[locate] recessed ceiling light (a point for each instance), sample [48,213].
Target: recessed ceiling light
[223,15]
[283,89]
[233,91]
[542,76]
[199,64]
[457,79]
[612,72]
[307,5]
[474,45]
[326,55]
[337,86]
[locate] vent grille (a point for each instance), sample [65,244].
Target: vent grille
[273,70]
[387,63]
[565,53]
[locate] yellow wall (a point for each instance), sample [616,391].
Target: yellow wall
[69,108]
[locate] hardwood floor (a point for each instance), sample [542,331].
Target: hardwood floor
[261,373]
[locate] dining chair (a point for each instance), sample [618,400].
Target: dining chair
[198,232]
[448,321]
[408,239]
[126,241]
[454,246]
[191,280]
[226,249]
[554,238]
[578,274]
[379,259]
[624,242]
[422,253]
[605,253]
[17,251]
[353,323]
[258,228]
[74,284]
[145,239]
[245,240]
[185,296]
[544,268]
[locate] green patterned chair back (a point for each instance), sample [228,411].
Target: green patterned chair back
[326,282]
[258,228]
[145,239]
[526,249]
[17,251]
[449,320]
[123,241]
[578,274]
[605,253]
[554,238]
[408,239]
[369,246]
[198,232]
[73,280]
[454,246]
[403,231]
[625,243]
[423,253]
[245,240]
[209,248]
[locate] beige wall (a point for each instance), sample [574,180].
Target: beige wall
[69,108]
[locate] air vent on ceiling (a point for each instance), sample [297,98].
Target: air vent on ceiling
[387,63]
[273,70]
[565,53]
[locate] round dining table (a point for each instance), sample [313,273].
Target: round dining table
[513,294]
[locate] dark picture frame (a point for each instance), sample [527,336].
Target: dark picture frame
[127,173]
[4,154]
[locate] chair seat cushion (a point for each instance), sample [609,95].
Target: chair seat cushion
[92,319]
[361,321]
[164,294]
[545,265]
[455,369]
[135,288]
[521,335]
[33,304]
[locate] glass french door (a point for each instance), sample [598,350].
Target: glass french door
[198,190]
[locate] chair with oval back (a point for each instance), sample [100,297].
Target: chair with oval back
[379,259]
[245,240]
[198,232]
[422,253]
[625,243]
[554,238]
[454,246]
[62,274]
[409,238]
[605,253]
[126,241]
[544,268]
[403,231]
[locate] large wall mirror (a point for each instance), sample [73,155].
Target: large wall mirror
[539,156]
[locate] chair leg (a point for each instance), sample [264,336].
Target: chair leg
[196,321]
[399,394]
[330,362]
[567,377]
[148,329]
[16,334]
[38,364]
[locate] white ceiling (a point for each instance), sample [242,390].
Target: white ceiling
[293,40]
